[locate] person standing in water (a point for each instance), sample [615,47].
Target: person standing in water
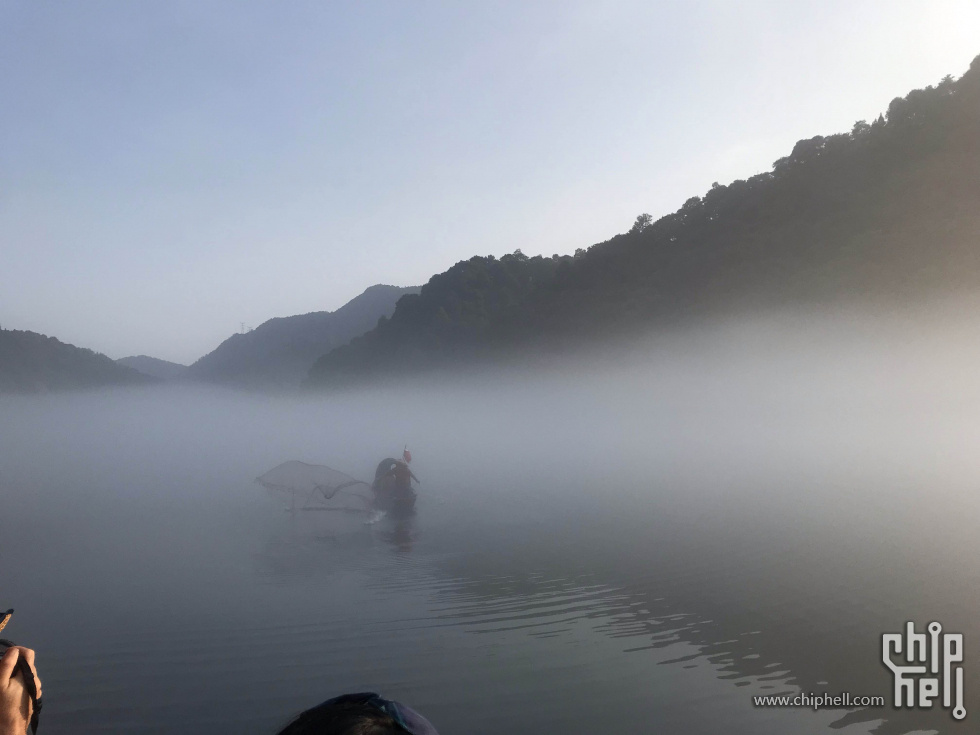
[403,475]
[394,476]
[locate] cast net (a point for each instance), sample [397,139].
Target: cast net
[316,487]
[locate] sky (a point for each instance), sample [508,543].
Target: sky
[171,169]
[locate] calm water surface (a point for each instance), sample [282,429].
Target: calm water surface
[583,559]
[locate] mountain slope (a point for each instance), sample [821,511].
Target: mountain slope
[34,363]
[154,367]
[280,351]
[887,211]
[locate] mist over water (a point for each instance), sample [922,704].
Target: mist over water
[636,541]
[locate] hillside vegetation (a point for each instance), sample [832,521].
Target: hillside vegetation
[154,367]
[280,352]
[888,211]
[34,363]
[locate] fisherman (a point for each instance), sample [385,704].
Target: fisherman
[394,475]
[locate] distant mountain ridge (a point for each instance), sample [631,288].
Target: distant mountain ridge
[154,367]
[34,363]
[889,211]
[280,351]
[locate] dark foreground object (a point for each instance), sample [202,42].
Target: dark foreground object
[360,714]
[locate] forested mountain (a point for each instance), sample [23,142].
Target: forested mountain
[154,367]
[890,210]
[33,363]
[279,352]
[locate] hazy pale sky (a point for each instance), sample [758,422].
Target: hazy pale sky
[169,169]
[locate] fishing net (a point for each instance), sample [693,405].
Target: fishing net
[316,487]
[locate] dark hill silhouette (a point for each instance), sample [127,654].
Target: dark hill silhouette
[279,352]
[890,210]
[154,367]
[34,363]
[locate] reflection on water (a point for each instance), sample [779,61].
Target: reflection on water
[399,533]
[633,555]
[583,617]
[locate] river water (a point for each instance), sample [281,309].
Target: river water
[635,545]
